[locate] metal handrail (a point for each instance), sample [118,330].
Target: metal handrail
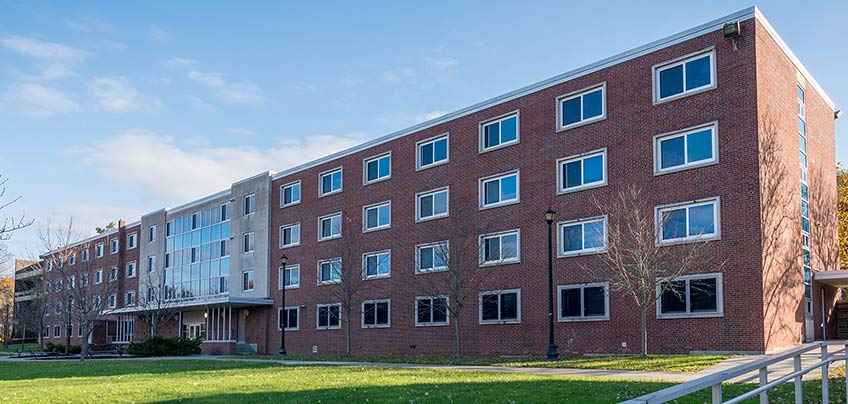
[715,381]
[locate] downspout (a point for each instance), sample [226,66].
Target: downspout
[824,336]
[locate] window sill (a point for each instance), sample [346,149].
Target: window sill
[500,146]
[372,277]
[288,329]
[685,167]
[329,328]
[329,238]
[330,193]
[689,240]
[381,179]
[376,229]
[690,315]
[499,263]
[683,94]
[496,322]
[581,123]
[377,326]
[290,287]
[582,319]
[499,204]
[581,253]
[430,271]
[565,191]
[431,218]
[431,165]
[432,324]
[282,247]
[327,283]
[289,205]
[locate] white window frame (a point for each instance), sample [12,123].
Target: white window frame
[579,94]
[151,259]
[483,237]
[283,188]
[281,277]
[244,288]
[289,226]
[481,189]
[72,259]
[129,299]
[84,254]
[561,253]
[318,319]
[418,248]
[99,250]
[365,256]
[331,281]
[322,194]
[719,297]
[656,69]
[365,209]
[134,266]
[114,246]
[374,302]
[561,189]
[432,192]
[112,301]
[659,210]
[432,324]
[248,246]
[57,331]
[280,311]
[517,320]
[132,240]
[151,233]
[330,217]
[582,317]
[378,157]
[658,139]
[98,277]
[248,201]
[498,119]
[113,270]
[434,139]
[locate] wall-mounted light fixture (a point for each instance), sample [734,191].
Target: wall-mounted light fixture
[732,31]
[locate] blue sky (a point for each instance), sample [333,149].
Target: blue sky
[109,110]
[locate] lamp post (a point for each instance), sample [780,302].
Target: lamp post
[553,353]
[283,261]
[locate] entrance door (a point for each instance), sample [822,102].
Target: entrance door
[809,326]
[242,319]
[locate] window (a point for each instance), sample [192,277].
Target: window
[502,306]
[584,236]
[432,152]
[291,277]
[499,132]
[57,331]
[132,241]
[698,220]
[582,107]
[131,269]
[378,168]
[500,248]
[329,271]
[247,281]
[683,77]
[690,296]
[113,273]
[47,286]
[330,182]
[114,245]
[689,148]
[330,226]
[151,232]
[84,254]
[97,303]
[79,330]
[130,299]
[151,263]
[58,308]
[58,285]
[583,171]
[329,316]
[376,265]
[431,204]
[290,235]
[499,190]
[288,318]
[49,265]
[431,310]
[98,250]
[113,301]
[84,279]
[432,257]
[584,302]
[247,242]
[249,204]
[376,313]
[377,217]
[290,194]
[72,260]
[98,277]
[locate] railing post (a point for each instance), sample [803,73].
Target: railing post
[799,382]
[717,393]
[824,370]
[763,382]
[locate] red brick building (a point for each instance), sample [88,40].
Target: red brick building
[721,129]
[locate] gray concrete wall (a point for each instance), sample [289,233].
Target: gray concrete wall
[258,223]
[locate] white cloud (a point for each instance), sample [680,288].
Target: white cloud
[42,50]
[440,63]
[40,101]
[179,62]
[158,34]
[207,79]
[350,83]
[56,71]
[399,75]
[114,94]
[233,92]
[430,115]
[198,103]
[89,25]
[159,165]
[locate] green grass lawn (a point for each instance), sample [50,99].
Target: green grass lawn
[14,348]
[665,363]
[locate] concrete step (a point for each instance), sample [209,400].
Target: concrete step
[245,349]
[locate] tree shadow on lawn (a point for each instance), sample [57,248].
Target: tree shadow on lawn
[59,370]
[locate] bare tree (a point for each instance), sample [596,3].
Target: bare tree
[32,313]
[10,224]
[635,263]
[155,306]
[824,227]
[7,301]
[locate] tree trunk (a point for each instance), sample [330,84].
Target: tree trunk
[347,333]
[84,346]
[457,341]
[644,345]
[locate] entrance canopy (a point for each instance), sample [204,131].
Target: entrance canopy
[837,279]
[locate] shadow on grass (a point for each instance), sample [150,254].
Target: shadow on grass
[60,370]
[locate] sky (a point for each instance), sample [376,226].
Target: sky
[110,110]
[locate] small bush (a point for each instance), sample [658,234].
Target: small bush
[162,346]
[60,348]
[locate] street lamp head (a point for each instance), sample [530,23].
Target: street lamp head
[549,215]
[284,260]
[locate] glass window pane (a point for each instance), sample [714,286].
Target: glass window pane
[326,183]
[572,237]
[373,168]
[509,246]
[509,131]
[425,206]
[426,257]
[441,150]
[699,146]
[572,174]
[492,135]
[671,81]
[371,220]
[509,187]
[571,111]
[593,104]
[427,154]
[594,303]
[385,166]
[492,249]
[674,224]
[509,306]
[385,215]
[701,220]
[698,73]
[674,298]
[440,310]
[440,203]
[593,233]
[492,192]
[702,295]
[490,307]
[672,152]
[570,303]
[383,313]
[422,309]
[593,169]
